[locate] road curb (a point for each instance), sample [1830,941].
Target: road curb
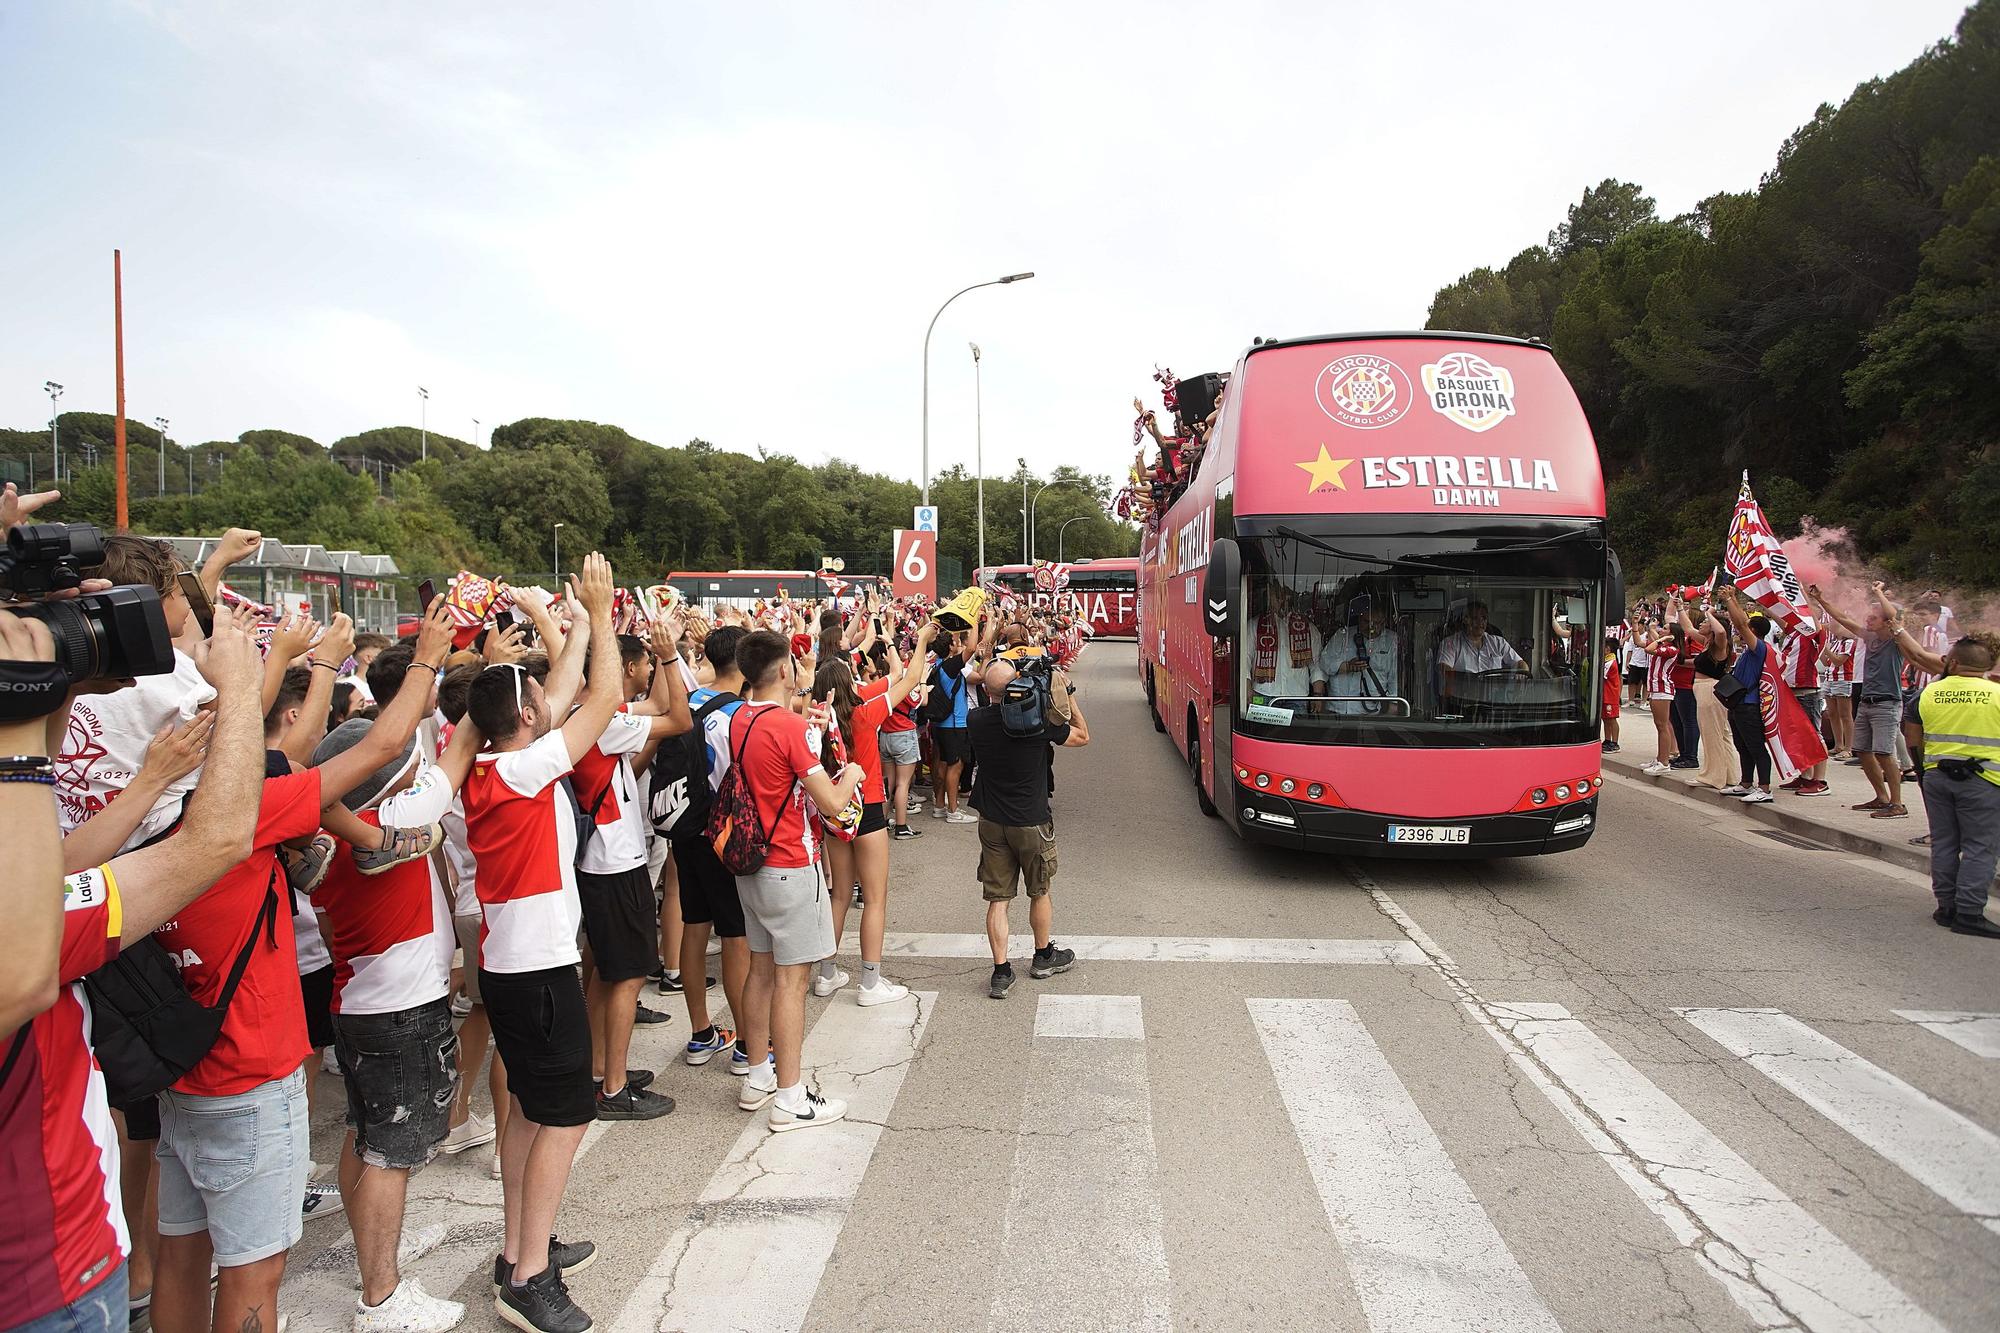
[1895,853]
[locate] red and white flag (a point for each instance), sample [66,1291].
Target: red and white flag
[1757,564]
[1789,733]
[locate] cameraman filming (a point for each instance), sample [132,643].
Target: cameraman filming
[63,1240]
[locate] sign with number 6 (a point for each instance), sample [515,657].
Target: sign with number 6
[915,555]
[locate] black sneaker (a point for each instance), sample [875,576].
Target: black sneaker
[634,1078]
[541,1305]
[1946,913]
[633,1103]
[675,985]
[568,1256]
[1977,925]
[1003,981]
[1049,961]
[646,1018]
[906,831]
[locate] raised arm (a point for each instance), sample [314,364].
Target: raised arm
[1079,730]
[397,722]
[566,669]
[219,830]
[294,634]
[1737,616]
[1833,612]
[334,647]
[593,594]
[237,544]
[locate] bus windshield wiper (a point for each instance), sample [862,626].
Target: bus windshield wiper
[1386,562]
[1536,544]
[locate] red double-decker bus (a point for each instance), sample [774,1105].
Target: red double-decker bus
[1106,592]
[1373,622]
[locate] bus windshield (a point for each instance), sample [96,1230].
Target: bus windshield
[1447,640]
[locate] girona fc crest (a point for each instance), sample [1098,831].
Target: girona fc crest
[1364,391]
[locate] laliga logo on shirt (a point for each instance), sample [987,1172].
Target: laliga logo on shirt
[1364,391]
[1469,390]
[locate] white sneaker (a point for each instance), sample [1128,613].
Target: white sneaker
[939,812]
[1738,789]
[884,991]
[824,986]
[817,1110]
[461,1004]
[493,1172]
[759,1086]
[1655,768]
[714,945]
[321,1201]
[1756,796]
[413,1246]
[475,1131]
[409,1309]
[329,1062]
[960,817]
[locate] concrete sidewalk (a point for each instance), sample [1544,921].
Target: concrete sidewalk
[1828,819]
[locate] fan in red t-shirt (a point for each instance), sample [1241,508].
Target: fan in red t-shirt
[1665,646]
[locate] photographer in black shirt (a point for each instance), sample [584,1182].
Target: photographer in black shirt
[1017,834]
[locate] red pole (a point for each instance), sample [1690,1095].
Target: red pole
[118,336]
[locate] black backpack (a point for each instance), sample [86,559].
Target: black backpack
[145,1029]
[680,796]
[1024,704]
[942,701]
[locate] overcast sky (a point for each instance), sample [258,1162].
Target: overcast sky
[734,221]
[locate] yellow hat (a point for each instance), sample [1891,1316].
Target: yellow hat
[962,611]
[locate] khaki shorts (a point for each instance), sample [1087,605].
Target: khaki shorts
[1010,853]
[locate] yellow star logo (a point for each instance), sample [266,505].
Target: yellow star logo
[1325,471]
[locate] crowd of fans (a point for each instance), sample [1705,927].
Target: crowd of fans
[384,870]
[1157,480]
[1864,676]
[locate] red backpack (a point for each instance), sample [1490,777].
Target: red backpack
[735,827]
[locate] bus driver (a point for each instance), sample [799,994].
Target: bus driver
[1471,652]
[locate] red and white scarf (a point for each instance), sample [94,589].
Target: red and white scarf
[1298,631]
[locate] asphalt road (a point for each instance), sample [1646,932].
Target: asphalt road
[1659,1082]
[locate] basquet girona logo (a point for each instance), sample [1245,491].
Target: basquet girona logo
[1363,391]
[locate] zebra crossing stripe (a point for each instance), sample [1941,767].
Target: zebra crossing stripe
[1160,949]
[1978,1033]
[752,1250]
[1938,1147]
[1779,1264]
[1086,1128]
[1423,1253]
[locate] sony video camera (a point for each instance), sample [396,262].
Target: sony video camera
[112,635]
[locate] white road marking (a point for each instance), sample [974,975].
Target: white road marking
[751,1252]
[1087,1129]
[1940,1148]
[1159,949]
[1089,1016]
[1781,1265]
[1424,1255]
[1978,1033]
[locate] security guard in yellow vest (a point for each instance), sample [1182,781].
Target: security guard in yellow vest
[1961,716]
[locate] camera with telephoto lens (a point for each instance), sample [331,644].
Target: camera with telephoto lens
[112,635]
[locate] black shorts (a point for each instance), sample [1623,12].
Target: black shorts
[708,892]
[318,989]
[621,919]
[953,745]
[142,1120]
[542,1032]
[1634,674]
[873,820]
[401,1072]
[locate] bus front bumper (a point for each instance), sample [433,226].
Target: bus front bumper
[1273,819]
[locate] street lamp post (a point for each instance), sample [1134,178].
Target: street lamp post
[424,423]
[161,423]
[475,432]
[1064,528]
[1059,481]
[978,455]
[1024,522]
[54,391]
[996,282]
[558,532]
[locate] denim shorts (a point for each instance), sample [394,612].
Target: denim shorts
[401,1072]
[898,747]
[235,1167]
[1876,724]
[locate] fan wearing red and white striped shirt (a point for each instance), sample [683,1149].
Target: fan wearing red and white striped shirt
[1664,648]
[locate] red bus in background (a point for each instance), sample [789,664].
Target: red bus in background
[1373,621]
[1106,592]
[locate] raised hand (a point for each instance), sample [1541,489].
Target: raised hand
[434,638]
[177,751]
[228,658]
[238,544]
[594,586]
[337,644]
[503,646]
[294,634]
[16,508]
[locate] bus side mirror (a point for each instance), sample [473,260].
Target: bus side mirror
[1614,587]
[1219,611]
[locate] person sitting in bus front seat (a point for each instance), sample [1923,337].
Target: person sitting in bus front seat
[1473,651]
[1360,665]
[1285,653]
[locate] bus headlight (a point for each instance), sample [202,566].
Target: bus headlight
[1316,791]
[1263,779]
[1541,796]
[1562,791]
[1288,786]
